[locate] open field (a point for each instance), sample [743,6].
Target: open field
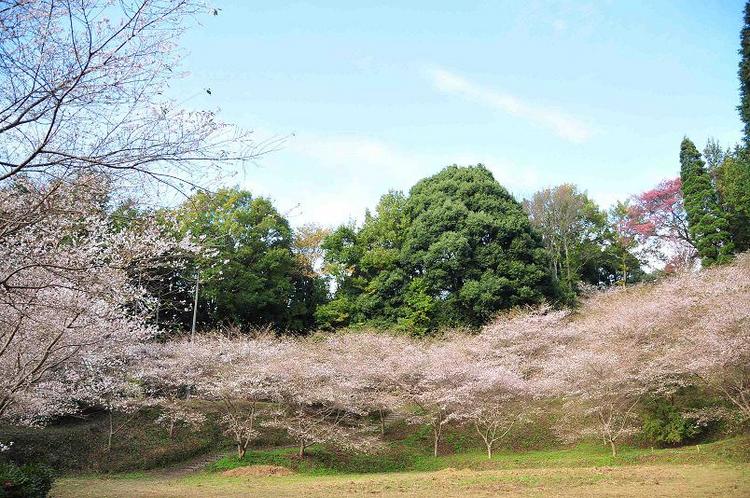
[718,469]
[641,480]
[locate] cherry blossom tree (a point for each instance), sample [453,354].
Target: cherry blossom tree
[496,400]
[66,296]
[175,414]
[83,88]
[105,382]
[626,343]
[432,378]
[713,347]
[317,404]
[244,385]
[606,387]
[601,360]
[169,373]
[370,359]
[236,372]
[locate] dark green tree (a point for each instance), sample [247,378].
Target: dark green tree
[744,74]
[707,222]
[366,267]
[454,252]
[473,245]
[733,185]
[251,275]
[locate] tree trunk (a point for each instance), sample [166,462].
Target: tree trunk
[240,451]
[171,428]
[489,451]
[158,307]
[111,432]
[301,449]
[567,268]
[382,423]
[436,441]
[614,450]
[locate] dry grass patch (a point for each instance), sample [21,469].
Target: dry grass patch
[258,471]
[635,480]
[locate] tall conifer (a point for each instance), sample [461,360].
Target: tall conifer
[744,74]
[707,222]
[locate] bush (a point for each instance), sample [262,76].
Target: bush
[663,423]
[28,481]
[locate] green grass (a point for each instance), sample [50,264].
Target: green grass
[405,458]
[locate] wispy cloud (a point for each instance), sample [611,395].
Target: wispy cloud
[564,126]
[335,177]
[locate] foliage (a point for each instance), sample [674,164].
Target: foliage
[67,299]
[707,223]
[744,74]
[733,185]
[656,222]
[27,481]
[474,246]
[604,361]
[622,251]
[454,252]
[366,266]
[663,423]
[253,276]
[577,234]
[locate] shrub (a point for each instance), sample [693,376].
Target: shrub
[664,423]
[28,481]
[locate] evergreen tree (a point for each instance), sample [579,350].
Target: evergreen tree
[474,246]
[251,275]
[744,74]
[707,222]
[456,250]
[733,184]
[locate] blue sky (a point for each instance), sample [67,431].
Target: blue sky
[376,97]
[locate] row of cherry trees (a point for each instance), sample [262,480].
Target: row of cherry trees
[601,361]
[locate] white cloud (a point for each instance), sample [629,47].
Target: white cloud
[564,126]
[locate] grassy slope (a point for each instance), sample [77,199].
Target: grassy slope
[80,445]
[721,468]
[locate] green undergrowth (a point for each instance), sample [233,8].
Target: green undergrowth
[404,458]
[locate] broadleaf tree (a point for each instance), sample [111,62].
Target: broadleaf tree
[453,252]
[253,277]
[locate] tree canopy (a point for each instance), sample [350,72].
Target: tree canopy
[456,250]
[706,221]
[583,246]
[251,276]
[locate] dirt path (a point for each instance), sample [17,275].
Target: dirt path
[191,466]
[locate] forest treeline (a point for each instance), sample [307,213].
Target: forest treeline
[454,251]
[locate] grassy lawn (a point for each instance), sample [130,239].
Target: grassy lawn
[718,469]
